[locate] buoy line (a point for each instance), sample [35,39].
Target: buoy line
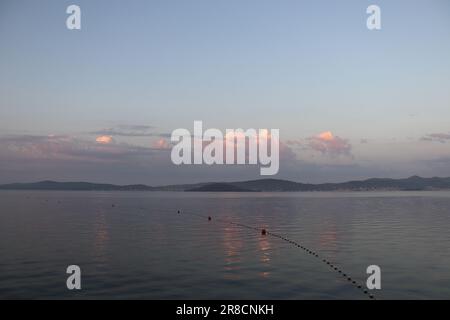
[263,231]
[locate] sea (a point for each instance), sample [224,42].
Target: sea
[201,245]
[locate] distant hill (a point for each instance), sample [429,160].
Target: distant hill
[270,185]
[411,183]
[73,186]
[273,185]
[219,187]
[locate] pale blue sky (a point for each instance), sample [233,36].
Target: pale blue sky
[304,67]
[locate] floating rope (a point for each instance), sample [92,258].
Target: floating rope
[345,275]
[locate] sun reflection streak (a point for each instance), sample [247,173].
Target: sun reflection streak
[233,248]
[264,249]
[101,239]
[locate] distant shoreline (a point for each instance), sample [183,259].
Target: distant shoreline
[414,183]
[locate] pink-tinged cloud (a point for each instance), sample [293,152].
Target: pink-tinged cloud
[326,136]
[327,143]
[66,148]
[161,144]
[104,139]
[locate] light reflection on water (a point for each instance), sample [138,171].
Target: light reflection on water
[264,248]
[101,237]
[232,251]
[140,247]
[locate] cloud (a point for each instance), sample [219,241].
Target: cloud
[162,144]
[67,148]
[28,158]
[131,131]
[104,139]
[327,143]
[135,127]
[326,136]
[32,158]
[295,143]
[437,137]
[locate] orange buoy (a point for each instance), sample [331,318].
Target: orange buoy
[263,232]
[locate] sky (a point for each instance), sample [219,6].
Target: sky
[99,104]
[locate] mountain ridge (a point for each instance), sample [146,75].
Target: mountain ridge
[269,185]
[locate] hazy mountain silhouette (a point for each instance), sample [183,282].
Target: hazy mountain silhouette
[411,183]
[74,186]
[220,187]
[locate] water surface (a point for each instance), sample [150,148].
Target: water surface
[135,245]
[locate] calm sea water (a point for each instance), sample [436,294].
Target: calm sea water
[141,248]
